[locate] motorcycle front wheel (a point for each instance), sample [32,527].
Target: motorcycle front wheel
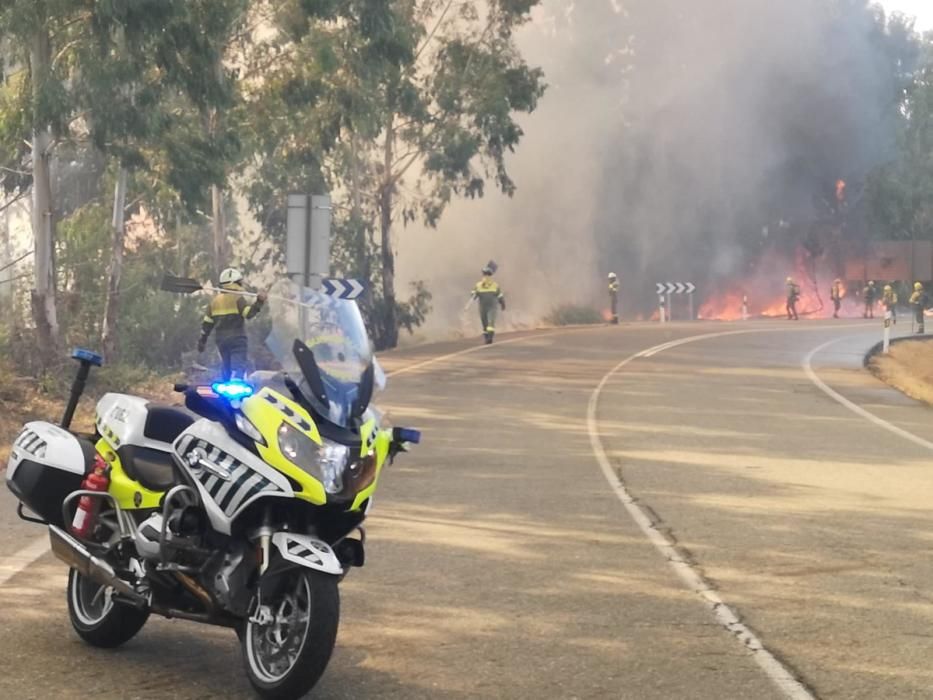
[97,618]
[288,639]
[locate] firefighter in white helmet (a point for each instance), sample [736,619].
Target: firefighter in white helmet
[614,297]
[226,317]
[919,300]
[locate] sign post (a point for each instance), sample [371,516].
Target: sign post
[666,289]
[887,330]
[307,249]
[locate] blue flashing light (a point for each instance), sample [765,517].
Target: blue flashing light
[408,435]
[234,390]
[87,356]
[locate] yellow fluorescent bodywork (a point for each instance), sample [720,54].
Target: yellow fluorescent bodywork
[122,487]
[268,409]
[378,442]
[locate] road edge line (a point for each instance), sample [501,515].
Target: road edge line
[727,618]
[15,564]
[807,365]
[482,348]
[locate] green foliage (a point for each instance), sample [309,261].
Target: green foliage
[396,107]
[572,315]
[159,327]
[900,193]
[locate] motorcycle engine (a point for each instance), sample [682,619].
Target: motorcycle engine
[228,581]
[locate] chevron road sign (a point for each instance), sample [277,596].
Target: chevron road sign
[342,289]
[675,287]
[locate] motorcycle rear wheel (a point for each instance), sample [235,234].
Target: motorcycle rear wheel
[97,618]
[286,654]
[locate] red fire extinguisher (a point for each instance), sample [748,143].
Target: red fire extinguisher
[88,507]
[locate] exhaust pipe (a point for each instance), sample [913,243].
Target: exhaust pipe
[76,555]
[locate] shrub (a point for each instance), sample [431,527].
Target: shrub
[573,315]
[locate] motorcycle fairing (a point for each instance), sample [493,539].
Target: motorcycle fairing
[233,478]
[267,411]
[307,551]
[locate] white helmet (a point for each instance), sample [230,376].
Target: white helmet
[231,276]
[612,275]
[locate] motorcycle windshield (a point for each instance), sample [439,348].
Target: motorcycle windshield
[333,330]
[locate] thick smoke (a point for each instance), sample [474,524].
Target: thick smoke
[672,136]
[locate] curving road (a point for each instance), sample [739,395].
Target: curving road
[688,511]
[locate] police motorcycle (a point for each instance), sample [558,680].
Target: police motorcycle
[244,508]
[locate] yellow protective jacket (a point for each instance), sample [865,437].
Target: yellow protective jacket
[919,298]
[488,292]
[889,299]
[614,287]
[227,314]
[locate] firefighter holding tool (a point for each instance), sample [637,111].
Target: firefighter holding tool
[226,317]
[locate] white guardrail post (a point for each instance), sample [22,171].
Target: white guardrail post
[887,330]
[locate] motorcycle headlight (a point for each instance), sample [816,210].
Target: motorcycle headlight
[326,462]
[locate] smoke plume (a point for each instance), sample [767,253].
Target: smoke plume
[674,137]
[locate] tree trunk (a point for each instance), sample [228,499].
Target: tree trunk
[386,202]
[108,336]
[43,296]
[220,229]
[360,229]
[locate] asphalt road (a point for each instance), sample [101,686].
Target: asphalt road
[711,524]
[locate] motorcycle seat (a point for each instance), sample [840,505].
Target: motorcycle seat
[151,468]
[166,423]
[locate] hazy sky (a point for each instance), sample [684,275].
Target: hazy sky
[921,9]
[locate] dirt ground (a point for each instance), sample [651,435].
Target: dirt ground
[24,399]
[909,368]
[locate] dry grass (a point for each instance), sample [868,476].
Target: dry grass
[24,399]
[909,368]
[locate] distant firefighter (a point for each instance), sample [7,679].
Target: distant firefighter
[889,302]
[614,296]
[836,293]
[869,295]
[488,294]
[919,300]
[793,296]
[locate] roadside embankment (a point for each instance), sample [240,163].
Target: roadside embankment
[908,367]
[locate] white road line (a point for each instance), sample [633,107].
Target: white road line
[481,348]
[14,564]
[724,615]
[855,408]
